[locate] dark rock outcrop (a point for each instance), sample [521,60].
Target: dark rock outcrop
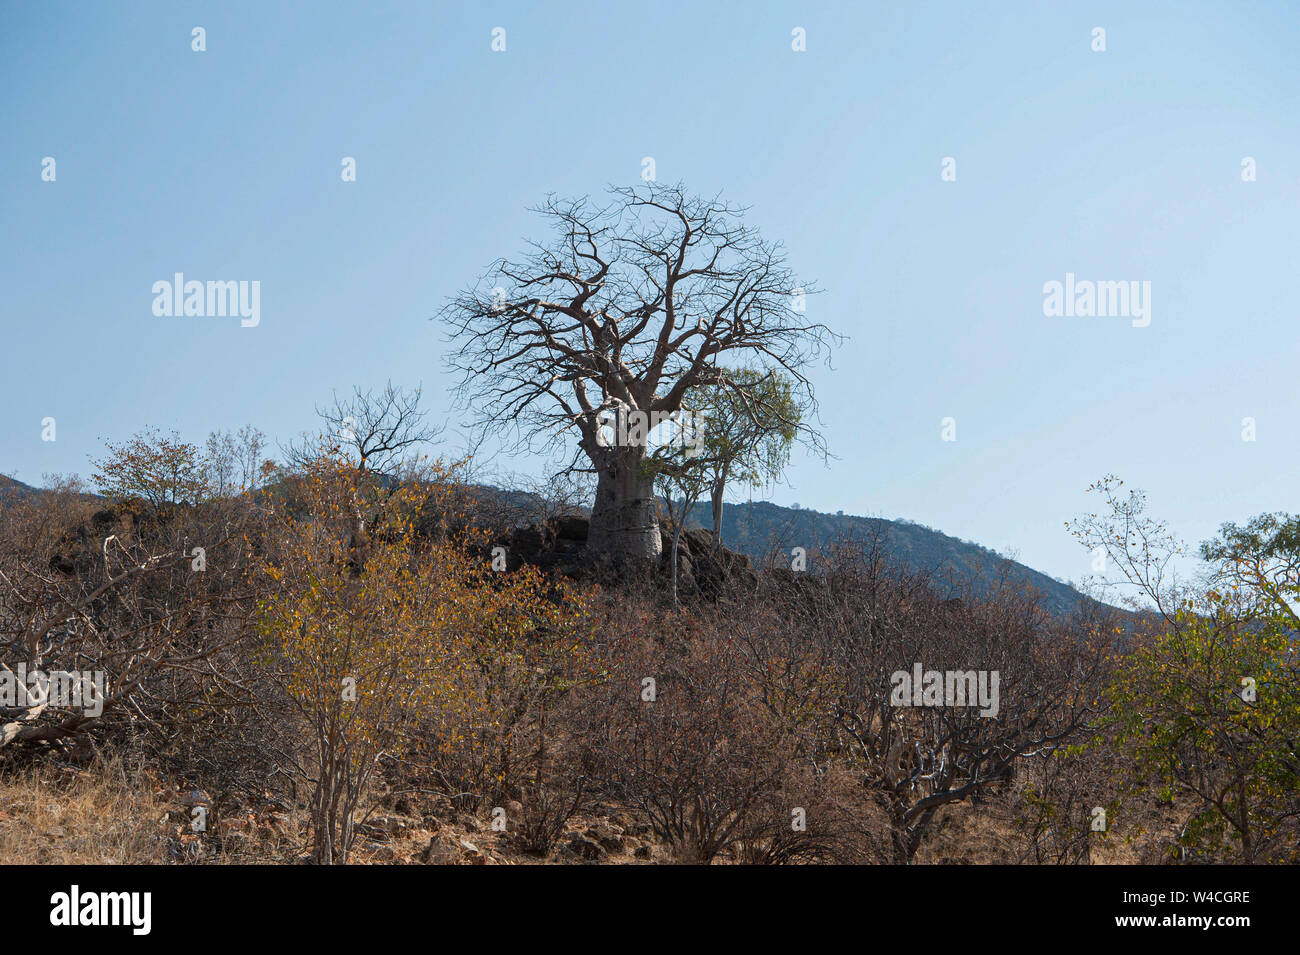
[561,545]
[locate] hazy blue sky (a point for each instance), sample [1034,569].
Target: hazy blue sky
[1116,165]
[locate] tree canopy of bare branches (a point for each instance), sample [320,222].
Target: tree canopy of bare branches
[377,429]
[601,333]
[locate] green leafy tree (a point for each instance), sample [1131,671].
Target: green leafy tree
[1260,563]
[1211,709]
[749,423]
[1208,704]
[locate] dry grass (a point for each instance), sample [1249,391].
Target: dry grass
[80,817]
[113,813]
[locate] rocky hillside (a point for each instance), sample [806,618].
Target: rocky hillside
[756,529]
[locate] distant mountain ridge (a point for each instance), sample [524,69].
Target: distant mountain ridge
[15,488]
[750,527]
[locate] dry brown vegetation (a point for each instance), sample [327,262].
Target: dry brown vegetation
[352,677]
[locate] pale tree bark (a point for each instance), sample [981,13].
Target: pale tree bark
[716,493]
[624,519]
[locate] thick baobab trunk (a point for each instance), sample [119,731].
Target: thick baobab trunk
[624,519]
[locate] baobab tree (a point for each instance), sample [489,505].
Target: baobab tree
[598,335]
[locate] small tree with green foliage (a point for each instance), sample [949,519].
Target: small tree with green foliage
[749,423]
[1211,709]
[1208,705]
